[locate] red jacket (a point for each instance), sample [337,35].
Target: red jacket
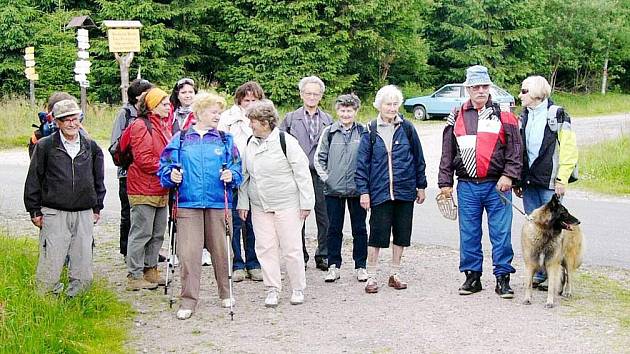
[146,147]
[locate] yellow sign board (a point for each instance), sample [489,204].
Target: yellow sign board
[124,40]
[29,50]
[33,77]
[29,71]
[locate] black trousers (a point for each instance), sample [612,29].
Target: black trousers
[125,217]
[321,218]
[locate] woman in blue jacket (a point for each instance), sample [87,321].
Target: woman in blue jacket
[390,177]
[204,163]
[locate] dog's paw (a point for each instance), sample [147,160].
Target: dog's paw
[527,302]
[549,305]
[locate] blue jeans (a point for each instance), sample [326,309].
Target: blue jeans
[336,212]
[535,197]
[473,199]
[248,243]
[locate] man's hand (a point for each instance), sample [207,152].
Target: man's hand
[304,213]
[504,184]
[364,200]
[447,191]
[242,213]
[96,217]
[560,189]
[420,196]
[226,176]
[176,176]
[37,221]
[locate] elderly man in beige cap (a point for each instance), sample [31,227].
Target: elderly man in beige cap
[64,194]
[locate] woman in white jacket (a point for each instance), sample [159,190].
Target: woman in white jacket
[277,185]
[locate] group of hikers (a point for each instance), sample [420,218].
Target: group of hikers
[245,172]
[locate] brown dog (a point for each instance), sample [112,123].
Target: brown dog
[553,235]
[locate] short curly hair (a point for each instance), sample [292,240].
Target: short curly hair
[264,111]
[204,100]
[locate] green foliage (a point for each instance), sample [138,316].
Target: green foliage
[92,322]
[605,167]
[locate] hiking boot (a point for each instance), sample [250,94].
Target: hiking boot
[297,297]
[228,302]
[183,314]
[396,283]
[255,274]
[362,275]
[152,275]
[503,287]
[238,275]
[206,260]
[372,286]
[135,284]
[333,274]
[472,284]
[321,264]
[272,297]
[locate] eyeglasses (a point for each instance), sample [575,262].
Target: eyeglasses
[312,94]
[524,91]
[69,120]
[185,81]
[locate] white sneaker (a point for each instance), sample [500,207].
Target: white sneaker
[184,314]
[333,274]
[362,275]
[226,302]
[297,297]
[205,258]
[173,262]
[272,297]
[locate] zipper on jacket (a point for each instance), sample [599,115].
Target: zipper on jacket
[391,172]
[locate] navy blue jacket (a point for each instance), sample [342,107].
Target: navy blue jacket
[407,167]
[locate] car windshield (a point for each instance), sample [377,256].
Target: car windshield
[448,91]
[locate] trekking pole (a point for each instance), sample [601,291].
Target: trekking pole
[506,201]
[228,237]
[172,244]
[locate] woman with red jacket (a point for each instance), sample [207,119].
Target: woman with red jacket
[150,133]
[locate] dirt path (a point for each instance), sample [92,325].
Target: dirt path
[429,317]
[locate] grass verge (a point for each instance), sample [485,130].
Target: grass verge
[93,322]
[603,298]
[605,167]
[582,105]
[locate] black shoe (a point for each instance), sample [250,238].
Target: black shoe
[321,263]
[472,284]
[503,287]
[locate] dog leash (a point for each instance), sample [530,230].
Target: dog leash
[506,201]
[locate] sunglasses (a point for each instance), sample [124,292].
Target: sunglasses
[524,91]
[185,81]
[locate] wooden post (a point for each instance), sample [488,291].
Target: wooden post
[84,100]
[32,92]
[124,62]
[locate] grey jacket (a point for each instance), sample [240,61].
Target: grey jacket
[295,123]
[336,162]
[119,126]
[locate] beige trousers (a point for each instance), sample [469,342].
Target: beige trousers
[279,232]
[196,228]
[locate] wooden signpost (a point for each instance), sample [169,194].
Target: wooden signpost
[124,40]
[31,75]
[82,65]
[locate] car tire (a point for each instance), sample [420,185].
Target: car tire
[420,113]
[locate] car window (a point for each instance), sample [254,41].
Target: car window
[448,91]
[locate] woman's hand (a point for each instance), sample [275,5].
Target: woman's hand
[560,189]
[304,213]
[226,176]
[176,176]
[242,213]
[364,200]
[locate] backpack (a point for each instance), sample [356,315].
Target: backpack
[553,122]
[45,128]
[121,148]
[283,142]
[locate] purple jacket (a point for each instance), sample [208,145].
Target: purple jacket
[295,123]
